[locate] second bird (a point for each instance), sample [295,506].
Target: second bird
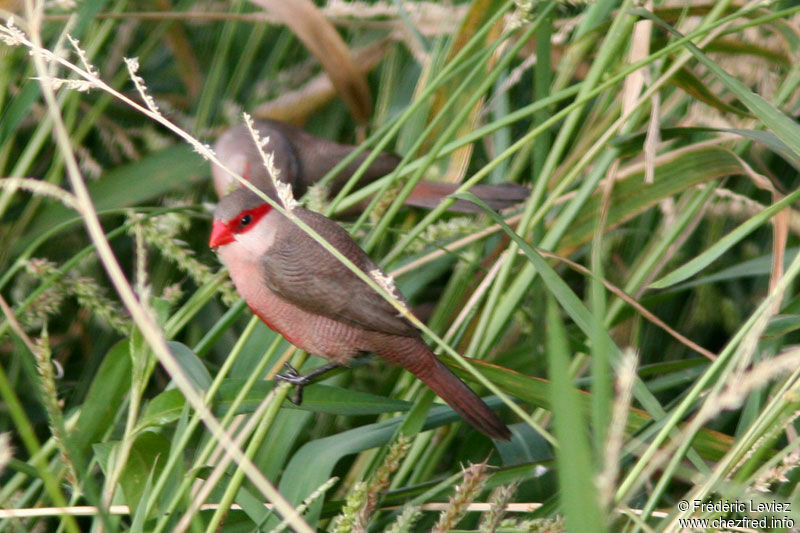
[304,159]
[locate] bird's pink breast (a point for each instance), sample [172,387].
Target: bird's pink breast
[317,334]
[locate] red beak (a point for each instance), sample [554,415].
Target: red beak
[220,234]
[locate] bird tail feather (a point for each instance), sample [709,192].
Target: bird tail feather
[429,194]
[418,359]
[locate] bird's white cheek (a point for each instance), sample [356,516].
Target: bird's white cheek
[258,240]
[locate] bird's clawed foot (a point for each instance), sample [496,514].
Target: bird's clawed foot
[292,376]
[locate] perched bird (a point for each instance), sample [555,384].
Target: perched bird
[304,159]
[299,289]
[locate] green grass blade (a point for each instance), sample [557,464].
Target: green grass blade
[577,492]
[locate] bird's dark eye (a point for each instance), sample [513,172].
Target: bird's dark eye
[245,220]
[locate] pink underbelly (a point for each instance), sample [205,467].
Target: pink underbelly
[316,334]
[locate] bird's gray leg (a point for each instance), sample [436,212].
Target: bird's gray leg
[301,380]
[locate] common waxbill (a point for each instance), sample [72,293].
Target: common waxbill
[304,159]
[302,291]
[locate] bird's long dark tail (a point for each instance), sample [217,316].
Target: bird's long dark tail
[417,358]
[429,194]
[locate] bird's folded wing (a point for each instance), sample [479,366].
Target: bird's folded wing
[301,271]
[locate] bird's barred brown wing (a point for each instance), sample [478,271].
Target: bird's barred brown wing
[301,271]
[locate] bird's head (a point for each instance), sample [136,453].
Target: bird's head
[237,215]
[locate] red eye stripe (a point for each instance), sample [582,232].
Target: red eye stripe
[256,214]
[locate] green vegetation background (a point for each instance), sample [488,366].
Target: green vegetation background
[634,320]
